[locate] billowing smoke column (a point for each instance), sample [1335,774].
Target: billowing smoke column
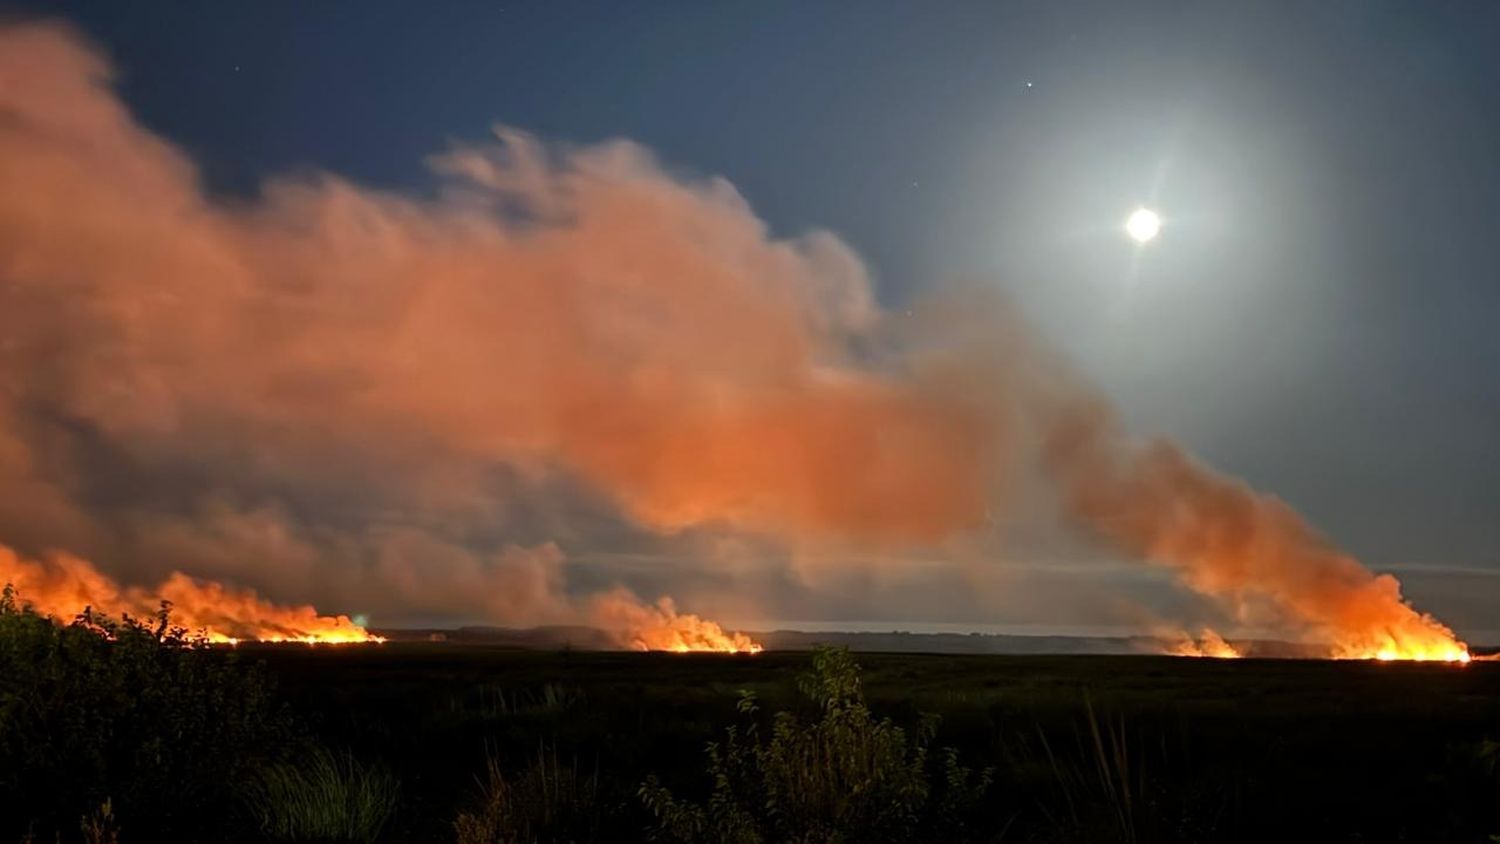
[353,396]
[1229,542]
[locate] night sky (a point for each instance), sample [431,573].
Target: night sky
[1316,317]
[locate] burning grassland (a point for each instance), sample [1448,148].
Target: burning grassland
[660,627]
[65,586]
[1206,644]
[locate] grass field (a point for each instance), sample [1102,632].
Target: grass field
[1083,748]
[128,731]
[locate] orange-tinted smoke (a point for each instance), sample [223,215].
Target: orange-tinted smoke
[572,310]
[65,586]
[576,308]
[1229,542]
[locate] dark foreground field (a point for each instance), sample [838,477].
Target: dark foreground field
[1083,748]
[140,736]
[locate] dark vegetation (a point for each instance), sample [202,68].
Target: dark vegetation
[105,722]
[130,731]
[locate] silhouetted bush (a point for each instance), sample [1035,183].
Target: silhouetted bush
[135,715]
[846,777]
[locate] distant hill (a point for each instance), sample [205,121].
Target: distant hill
[895,641]
[901,641]
[530,638]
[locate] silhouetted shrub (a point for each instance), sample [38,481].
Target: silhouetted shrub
[134,715]
[846,777]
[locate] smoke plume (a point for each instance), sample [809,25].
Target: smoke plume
[1227,541]
[367,398]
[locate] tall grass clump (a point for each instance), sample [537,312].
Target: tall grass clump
[1109,787]
[494,702]
[845,777]
[323,797]
[100,827]
[546,802]
[1099,792]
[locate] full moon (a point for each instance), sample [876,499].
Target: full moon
[1143,225]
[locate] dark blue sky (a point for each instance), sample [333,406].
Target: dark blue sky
[1318,315]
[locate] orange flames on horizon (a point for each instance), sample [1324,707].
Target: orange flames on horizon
[660,627]
[63,586]
[1449,651]
[1389,647]
[1247,550]
[1208,644]
[1211,644]
[1421,639]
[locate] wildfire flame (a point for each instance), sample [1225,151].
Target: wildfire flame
[1211,644]
[1231,543]
[1375,622]
[660,627]
[63,585]
[1454,651]
[1208,644]
[1428,641]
